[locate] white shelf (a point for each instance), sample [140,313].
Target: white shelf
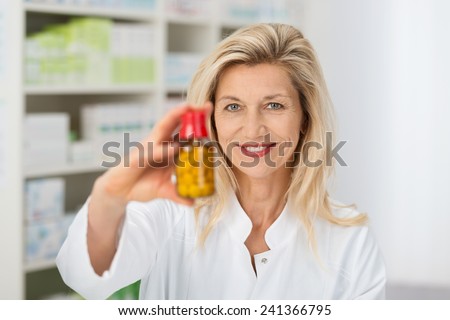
[90,89]
[176,89]
[188,20]
[175,32]
[40,265]
[62,170]
[80,10]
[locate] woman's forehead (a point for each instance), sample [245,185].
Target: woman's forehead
[267,80]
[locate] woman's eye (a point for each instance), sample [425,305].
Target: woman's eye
[274,106]
[232,107]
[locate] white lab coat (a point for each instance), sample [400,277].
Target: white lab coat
[157,245]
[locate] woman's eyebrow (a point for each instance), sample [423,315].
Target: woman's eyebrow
[229,98]
[277,95]
[268,97]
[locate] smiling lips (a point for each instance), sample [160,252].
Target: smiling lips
[256,150]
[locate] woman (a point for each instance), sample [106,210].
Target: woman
[270,231]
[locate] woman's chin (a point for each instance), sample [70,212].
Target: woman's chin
[261,171]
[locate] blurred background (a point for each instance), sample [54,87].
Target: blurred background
[77,73]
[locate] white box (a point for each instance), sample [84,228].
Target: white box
[180,68]
[45,237]
[44,198]
[81,152]
[46,139]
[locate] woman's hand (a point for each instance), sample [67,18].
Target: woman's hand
[146,175]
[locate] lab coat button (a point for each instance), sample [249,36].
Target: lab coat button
[264,260]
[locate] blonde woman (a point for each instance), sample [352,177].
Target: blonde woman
[270,231]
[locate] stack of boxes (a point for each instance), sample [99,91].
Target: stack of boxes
[91,51]
[46,139]
[111,127]
[180,67]
[47,135]
[132,53]
[47,224]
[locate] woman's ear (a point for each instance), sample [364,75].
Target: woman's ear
[304,125]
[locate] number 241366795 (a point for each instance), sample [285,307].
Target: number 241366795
[296,310]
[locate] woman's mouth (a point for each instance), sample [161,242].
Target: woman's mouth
[256,150]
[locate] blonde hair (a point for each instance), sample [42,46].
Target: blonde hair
[284,46]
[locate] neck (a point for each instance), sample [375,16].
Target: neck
[263,198]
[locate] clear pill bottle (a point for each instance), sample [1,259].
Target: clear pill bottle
[194,164]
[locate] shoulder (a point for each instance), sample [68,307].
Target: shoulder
[346,232]
[352,253]
[342,210]
[345,244]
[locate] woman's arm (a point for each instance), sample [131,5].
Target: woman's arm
[145,176]
[105,217]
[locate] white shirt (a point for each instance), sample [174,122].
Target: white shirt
[158,246]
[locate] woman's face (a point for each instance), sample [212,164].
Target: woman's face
[258,118]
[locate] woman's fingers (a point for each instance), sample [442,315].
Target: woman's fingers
[166,126]
[164,129]
[158,145]
[163,145]
[208,107]
[156,153]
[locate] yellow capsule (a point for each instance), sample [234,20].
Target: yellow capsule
[189,160]
[199,155]
[208,158]
[201,192]
[200,186]
[194,172]
[179,170]
[200,176]
[180,167]
[188,178]
[194,191]
[209,173]
[183,190]
[208,190]
[194,177]
[184,155]
[183,171]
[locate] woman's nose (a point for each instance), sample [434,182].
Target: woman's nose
[254,125]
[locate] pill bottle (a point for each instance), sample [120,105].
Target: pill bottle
[194,163]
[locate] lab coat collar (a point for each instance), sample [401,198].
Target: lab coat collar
[240,225]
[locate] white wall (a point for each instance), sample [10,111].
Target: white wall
[387,64]
[11,242]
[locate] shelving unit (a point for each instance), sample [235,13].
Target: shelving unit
[11,172]
[62,170]
[90,90]
[40,265]
[176,33]
[92,11]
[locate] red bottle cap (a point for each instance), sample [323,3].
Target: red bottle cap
[193,125]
